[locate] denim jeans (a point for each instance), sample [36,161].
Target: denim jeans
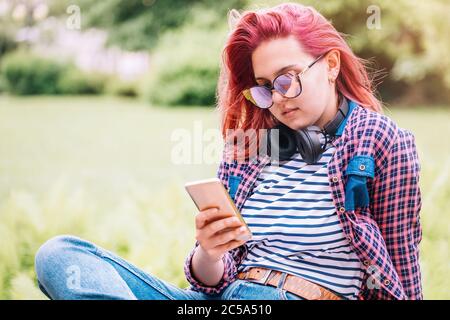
[68,267]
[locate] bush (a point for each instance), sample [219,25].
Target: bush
[25,73]
[187,85]
[74,81]
[186,62]
[118,87]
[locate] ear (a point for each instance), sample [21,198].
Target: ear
[333,60]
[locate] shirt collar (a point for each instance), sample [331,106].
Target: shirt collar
[351,105]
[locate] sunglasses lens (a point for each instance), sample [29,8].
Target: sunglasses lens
[261,96]
[287,85]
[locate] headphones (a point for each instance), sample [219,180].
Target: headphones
[306,141]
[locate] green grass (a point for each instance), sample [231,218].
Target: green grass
[101,168]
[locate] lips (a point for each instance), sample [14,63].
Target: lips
[289,112]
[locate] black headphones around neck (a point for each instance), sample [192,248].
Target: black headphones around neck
[306,141]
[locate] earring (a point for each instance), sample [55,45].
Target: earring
[332,77]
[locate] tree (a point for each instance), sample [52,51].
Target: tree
[137,24]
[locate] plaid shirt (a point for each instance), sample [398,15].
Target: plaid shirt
[374,179]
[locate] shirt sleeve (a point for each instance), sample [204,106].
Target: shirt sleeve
[396,209]
[229,275]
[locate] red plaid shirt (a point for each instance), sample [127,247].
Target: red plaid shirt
[374,160]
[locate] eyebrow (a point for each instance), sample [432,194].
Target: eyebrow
[279,71]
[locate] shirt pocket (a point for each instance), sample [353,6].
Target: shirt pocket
[233,183]
[358,170]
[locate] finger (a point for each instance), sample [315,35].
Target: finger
[210,215]
[202,216]
[227,236]
[220,225]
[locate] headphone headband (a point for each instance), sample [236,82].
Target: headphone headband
[332,126]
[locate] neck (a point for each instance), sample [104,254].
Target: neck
[330,111]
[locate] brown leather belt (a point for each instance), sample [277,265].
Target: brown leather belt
[293,284]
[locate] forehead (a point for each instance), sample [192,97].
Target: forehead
[272,55]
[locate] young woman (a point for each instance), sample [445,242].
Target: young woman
[336,218]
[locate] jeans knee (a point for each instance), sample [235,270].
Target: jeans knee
[51,255]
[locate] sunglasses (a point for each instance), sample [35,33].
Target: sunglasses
[288,85]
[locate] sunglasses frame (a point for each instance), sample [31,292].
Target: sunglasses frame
[248,96]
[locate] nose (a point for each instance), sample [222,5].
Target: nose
[277,97]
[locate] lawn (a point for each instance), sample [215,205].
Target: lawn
[103,169]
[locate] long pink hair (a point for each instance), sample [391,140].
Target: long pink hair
[316,36]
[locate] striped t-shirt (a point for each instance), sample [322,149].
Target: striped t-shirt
[296,228]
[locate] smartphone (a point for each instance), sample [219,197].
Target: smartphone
[210,193]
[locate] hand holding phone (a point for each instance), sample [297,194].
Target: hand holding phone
[219,225]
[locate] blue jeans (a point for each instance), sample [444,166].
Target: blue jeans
[68,267]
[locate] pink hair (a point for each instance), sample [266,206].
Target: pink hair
[316,36]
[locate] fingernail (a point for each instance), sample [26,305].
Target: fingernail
[243,228]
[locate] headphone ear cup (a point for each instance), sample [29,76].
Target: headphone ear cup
[309,145]
[287,142]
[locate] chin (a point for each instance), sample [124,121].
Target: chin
[298,124]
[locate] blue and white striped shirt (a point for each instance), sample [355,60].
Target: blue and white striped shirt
[296,228]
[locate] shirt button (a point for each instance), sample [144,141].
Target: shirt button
[348,239]
[341,209]
[387,282]
[335,179]
[362,167]
[366,262]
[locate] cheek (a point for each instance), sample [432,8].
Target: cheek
[274,111]
[315,93]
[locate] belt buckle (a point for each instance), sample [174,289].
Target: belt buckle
[264,279]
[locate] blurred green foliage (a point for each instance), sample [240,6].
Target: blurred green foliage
[25,73]
[185,70]
[7,42]
[28,74]
[409,47]
[407,50]
[185,39]
[75,81]
[118,87]
[138,24]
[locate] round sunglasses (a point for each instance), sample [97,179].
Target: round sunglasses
[288,85]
